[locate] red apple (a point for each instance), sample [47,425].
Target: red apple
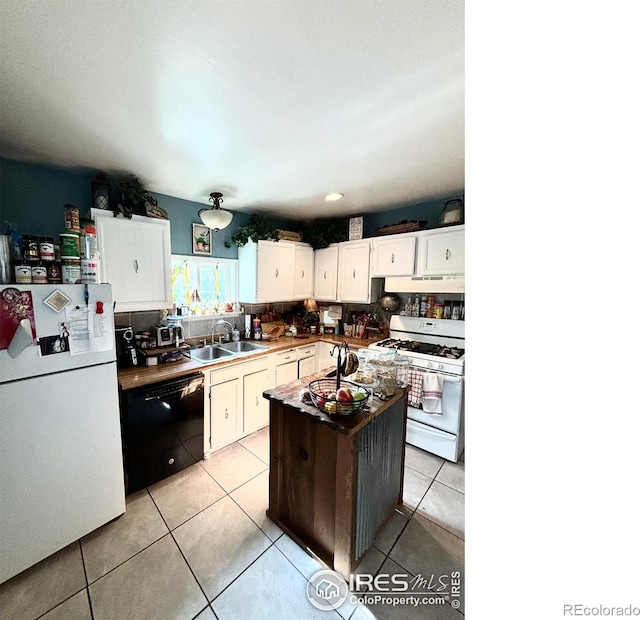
[344,395]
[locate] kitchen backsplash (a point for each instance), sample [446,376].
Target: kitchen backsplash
[201,327]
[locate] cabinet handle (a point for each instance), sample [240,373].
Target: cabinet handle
[226,414]
[448,254]
[302,270]
[135,262]
[304,455]
[325,275]
[276,273]
[393,258]
[256,401]
[354,273]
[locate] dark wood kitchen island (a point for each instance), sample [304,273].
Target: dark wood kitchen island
[334,481]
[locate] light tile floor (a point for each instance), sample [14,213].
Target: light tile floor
[199,545]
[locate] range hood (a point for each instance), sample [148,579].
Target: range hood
[425,284]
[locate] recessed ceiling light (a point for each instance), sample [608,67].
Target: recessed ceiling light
[333,196]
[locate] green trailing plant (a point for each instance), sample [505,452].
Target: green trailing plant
[258,228]
[321,233]
[133,197]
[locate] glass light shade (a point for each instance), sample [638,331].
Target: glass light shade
[310,305]
[217,219]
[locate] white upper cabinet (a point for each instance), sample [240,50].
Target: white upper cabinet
[135,258]
[394,255]
[303,272]
[441,252]
[325,274]
[266,271]
[354,280]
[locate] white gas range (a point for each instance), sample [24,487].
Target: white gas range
[432,346]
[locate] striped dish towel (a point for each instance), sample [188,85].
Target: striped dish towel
[432,393]
[415,393]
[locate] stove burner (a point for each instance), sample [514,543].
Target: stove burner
[425,348]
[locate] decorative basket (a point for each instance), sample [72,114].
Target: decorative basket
[401,227]
[321,389]
[289,235]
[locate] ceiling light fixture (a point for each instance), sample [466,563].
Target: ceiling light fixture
[333,196]
[215,218]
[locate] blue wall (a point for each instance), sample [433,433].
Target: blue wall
[32,199]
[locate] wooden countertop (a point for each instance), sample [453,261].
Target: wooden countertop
[347,425]
[139,376]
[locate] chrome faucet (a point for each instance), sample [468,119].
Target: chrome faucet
[227,337]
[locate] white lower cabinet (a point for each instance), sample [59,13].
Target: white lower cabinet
[226,419]
[236,407]
[286,365]
[306,360]
[256,407]
[323,356]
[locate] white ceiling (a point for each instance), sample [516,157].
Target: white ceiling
[274,103]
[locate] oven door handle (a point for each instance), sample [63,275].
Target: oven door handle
[449,378]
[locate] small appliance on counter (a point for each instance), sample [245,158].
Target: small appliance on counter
[175,325]
[163,336]
[126,354]
[171,333]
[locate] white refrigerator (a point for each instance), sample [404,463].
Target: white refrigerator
[61,471]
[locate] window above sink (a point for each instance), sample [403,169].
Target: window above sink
[207,287]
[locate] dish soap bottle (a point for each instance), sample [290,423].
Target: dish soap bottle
[415,309]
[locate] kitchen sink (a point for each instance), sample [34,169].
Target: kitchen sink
[242,347]
[210,354]
[224,351]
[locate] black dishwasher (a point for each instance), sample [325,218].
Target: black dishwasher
[162,429]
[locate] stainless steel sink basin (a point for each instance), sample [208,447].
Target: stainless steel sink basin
[210,354]
[242,347]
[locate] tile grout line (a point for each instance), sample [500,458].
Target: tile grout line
[86,587]
[86,578]
[238,576]
[175,542]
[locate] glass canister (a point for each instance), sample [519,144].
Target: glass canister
[386,373]
[402,370]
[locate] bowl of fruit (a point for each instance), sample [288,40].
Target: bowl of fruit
[347,399]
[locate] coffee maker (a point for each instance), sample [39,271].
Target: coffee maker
[126,354]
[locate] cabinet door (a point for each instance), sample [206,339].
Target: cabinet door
[323,356]
[303,272]
[135,258]
[393,257]
[226,422]
[354,282]
[325,275]
[287,371]
[306,366]
[275,271]
[444,253]
[256,407]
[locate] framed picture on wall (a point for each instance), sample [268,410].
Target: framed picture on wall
[201,239]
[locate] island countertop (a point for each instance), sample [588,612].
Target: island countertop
[288,394]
